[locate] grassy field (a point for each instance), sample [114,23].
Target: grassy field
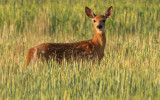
[130,69]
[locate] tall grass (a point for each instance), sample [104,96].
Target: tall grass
[130,68]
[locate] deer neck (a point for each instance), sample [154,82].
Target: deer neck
[99,39]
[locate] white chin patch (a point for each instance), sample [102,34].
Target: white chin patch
[100,30]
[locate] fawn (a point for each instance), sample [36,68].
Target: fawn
[90,49]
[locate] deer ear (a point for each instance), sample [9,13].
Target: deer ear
[89,12]
[108,12]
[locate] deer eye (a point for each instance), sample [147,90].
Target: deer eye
[104,20]
[94,21]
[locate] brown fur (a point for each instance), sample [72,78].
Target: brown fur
[89,49]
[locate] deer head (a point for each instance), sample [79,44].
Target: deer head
[99,20]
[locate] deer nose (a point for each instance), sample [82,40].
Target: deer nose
[99,26]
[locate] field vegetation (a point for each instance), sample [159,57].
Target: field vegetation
[130,69]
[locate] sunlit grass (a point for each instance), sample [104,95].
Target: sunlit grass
[130,68]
